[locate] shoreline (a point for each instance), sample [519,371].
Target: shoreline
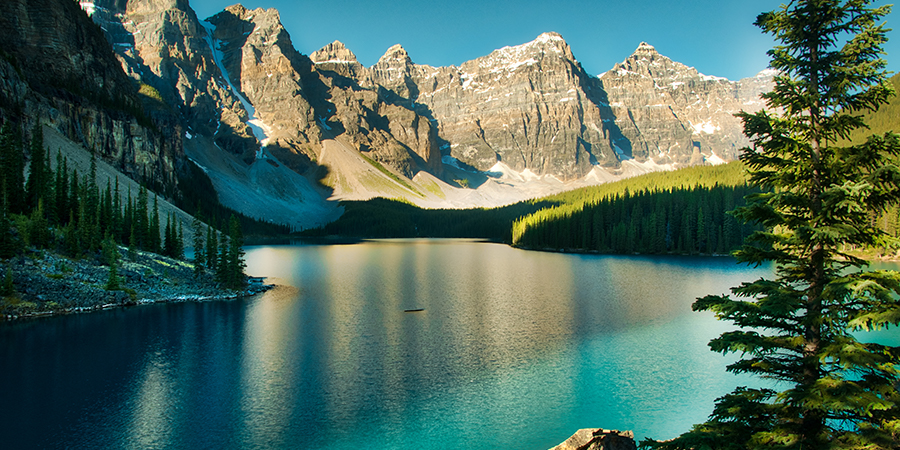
[42,283]
[256,287]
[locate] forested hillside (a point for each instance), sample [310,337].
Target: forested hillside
[680,220]
[56,208]
[615,217]
[683,211]
[390,218]
[886,119]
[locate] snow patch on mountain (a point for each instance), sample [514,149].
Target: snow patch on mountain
[260,130]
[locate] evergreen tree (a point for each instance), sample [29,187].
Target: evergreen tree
[111,258]
[168,245]
[106,214]
[153,229]
[37,185]
[7,242]
[113,283]
[198,243]
[222,262]
[61,193]
[212,249]
[236,279]
[179,242]
[142,220]
[12,165]
[38,227]
[118,214]
[74,202]
[796,329]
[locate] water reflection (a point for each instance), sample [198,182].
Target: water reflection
[150,426]
[513,349]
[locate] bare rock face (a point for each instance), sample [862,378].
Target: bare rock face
[337,58]
[530,107]
[58,69]
[238,78]
[670,113]
[269,76]
[163,44]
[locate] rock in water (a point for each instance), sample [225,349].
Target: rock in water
[599,439]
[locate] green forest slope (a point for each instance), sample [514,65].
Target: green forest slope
[886,119]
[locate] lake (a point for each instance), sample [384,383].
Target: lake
[511,349]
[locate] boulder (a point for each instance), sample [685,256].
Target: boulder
[599,439]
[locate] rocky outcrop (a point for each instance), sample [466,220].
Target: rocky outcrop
[272,80]
[530,107]
[599,439]
[238,78]
[336,57]
[58,69]
[163,44]
[671,113]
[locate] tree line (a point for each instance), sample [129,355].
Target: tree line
[67,212]
[677,220]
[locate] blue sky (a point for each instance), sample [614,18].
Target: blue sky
[715,36]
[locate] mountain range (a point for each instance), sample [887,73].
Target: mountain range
[281,135]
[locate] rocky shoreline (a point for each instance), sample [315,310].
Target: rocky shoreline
[45,283]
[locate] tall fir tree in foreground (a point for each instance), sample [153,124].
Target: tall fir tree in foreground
[832,390]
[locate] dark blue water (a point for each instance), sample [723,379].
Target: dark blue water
[514,349]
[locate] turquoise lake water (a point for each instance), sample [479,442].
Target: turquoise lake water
[512,349]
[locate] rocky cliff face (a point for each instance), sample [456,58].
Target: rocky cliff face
[58,69]
[163,44]
[237,77]
[529,107]
[670,113]
[533,108]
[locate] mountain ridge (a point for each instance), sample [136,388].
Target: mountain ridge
[523,120]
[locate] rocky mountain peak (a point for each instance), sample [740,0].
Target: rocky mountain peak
[511,58]
[646,61]
[335,52]
[237,9]
[395,53]
[646,48]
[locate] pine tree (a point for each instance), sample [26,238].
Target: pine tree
[38,227]
[7,242]
[111,258]
[179,242]
[169,244]
[212,248]
[155,245]
[235,258]
[74,191]
[796,329]
[222,262]
[12,165]
[106,209]
[36,187]
[142,220]
[61,193]
[198,241]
